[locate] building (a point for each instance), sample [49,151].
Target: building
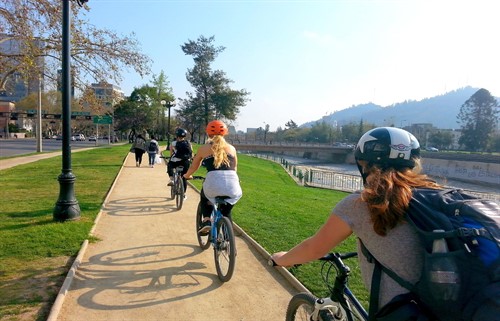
[17,86]
[108,94]
[6,107]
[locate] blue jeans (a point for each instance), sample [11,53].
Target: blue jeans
[152,158]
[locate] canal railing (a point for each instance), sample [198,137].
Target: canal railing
[306,175]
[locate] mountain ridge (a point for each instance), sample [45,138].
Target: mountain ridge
[441,111]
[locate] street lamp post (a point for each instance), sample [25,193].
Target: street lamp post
[67,207]
[168,105]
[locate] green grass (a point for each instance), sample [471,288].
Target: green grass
[36,252]
[278,214]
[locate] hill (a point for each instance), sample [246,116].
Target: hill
[441,111]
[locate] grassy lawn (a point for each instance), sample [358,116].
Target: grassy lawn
[36,252]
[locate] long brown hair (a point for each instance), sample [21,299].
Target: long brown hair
[388,194]
[218,145]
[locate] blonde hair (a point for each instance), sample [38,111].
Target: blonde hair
[388,194]
[218,145]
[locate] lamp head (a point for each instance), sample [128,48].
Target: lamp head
[81,2]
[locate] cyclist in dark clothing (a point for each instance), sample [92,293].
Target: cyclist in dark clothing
[179,160]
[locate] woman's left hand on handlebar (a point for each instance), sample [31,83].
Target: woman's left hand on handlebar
[276,257]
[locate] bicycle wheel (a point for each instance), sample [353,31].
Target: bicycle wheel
[301,308]
[179,195]
[225,249]
[172,189]
[203,240]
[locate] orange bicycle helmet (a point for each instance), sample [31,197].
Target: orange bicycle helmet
[216,127]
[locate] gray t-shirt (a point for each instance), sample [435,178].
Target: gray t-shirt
[400,250]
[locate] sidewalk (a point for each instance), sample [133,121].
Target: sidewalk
[147,264]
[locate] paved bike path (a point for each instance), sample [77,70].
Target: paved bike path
[147,264]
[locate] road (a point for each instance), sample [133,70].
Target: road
[17,147]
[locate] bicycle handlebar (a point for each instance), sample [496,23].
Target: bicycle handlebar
[329,257]
[342,256]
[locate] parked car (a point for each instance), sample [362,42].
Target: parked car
[432,149]
[92,138]
[78,137]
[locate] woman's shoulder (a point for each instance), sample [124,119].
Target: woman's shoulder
[204,150]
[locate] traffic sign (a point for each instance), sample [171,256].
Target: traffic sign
[103,119]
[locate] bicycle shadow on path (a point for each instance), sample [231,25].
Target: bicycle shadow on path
[147,265]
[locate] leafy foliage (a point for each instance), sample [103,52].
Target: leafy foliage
[142,110]
[478,118]
[213,98]
[34,26]
[441,139]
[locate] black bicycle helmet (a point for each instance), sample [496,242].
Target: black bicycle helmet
[387,147]
[180,132]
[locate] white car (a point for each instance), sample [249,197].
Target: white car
[432,149]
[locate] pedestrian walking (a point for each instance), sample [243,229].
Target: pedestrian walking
[139,148]
[153,150]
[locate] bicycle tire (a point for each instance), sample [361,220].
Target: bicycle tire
[172,189]
[225,249]
[301,307]
[179,196]
[203,240]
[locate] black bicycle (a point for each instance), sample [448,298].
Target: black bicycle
[340,305]
[177,187]
[221,236]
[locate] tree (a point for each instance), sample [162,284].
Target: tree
[34,27]
[212,94]
[319,133]
[291,124]
[441,139]
[478,118]
[142,111]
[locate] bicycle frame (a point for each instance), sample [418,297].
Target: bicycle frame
[214,218]
[220,236]
[341,292]
[341,304]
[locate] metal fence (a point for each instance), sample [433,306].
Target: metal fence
[308,176]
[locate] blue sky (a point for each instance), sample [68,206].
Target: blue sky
[302,60]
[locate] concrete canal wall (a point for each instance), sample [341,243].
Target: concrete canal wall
[476,172]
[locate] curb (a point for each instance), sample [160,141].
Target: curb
[283,271]
[56,307]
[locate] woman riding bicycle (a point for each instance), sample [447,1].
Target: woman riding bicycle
[180,155]
[389,162]
[220,159]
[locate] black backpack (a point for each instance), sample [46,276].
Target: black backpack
[461,270]
[152,146]
[183,150]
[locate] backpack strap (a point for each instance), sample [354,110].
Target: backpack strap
[376,278]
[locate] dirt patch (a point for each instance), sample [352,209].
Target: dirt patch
[29,295]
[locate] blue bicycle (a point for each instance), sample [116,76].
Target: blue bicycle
[221,236]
